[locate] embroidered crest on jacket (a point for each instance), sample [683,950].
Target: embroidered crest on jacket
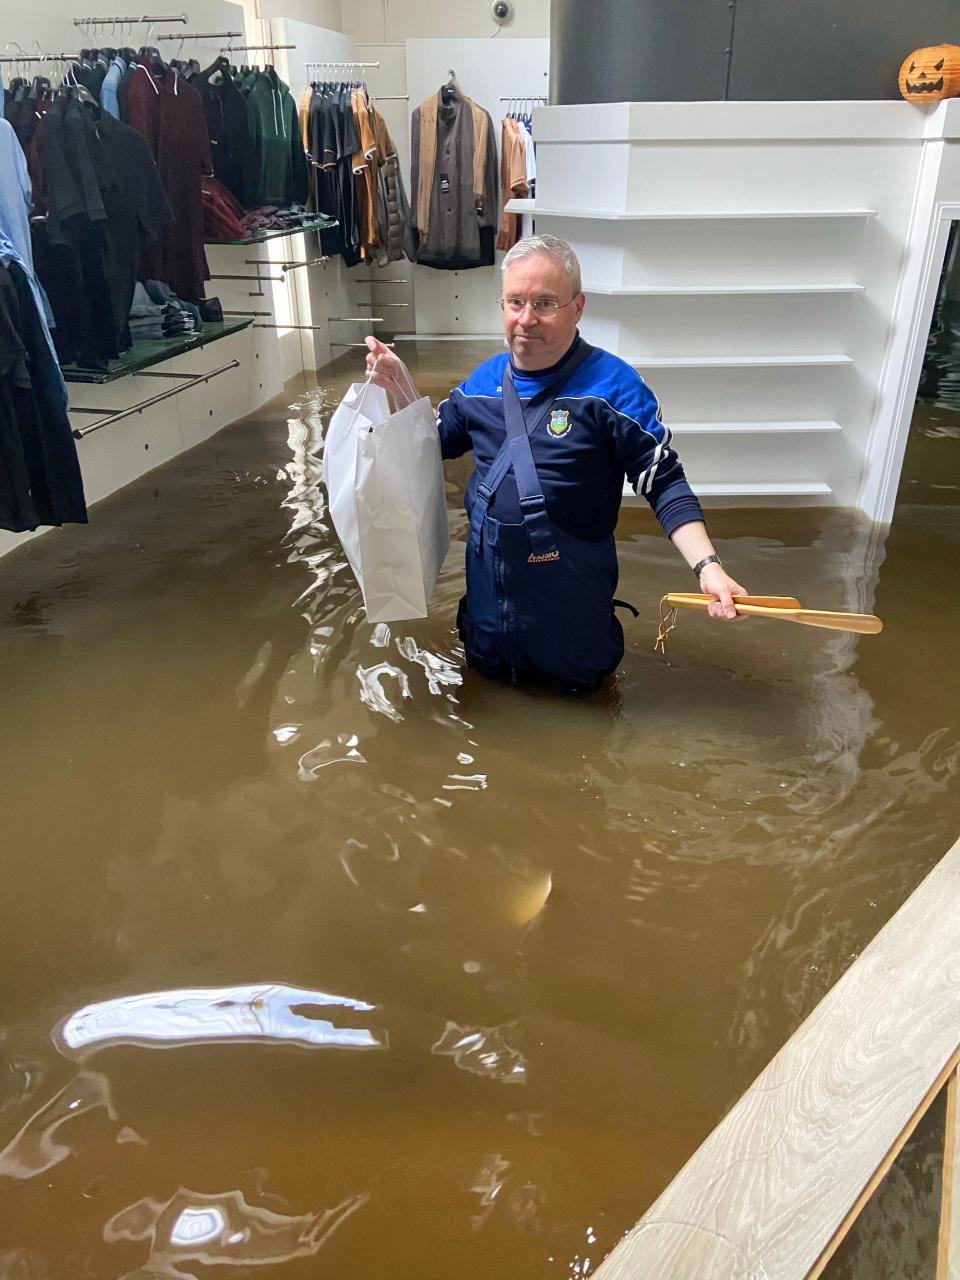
[559,423]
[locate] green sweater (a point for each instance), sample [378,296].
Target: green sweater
[275,125]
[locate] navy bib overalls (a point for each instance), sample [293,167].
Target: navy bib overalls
[539,602]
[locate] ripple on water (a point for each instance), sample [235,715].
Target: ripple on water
[329,752]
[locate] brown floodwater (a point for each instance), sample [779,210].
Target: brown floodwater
[402,973]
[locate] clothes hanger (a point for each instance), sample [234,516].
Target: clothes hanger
[448,91]
[74,89]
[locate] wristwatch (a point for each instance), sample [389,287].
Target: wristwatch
[699,568]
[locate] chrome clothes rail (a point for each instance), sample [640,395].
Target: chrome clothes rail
[184,36]
[92,22]
[334,63]
[192,380]
[43,57]
[252,48]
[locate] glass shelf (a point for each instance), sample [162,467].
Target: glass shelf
[143,354]
[321,223]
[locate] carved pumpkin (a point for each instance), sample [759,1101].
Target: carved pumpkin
[928,75]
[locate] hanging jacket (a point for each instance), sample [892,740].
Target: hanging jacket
[169,114]
[275,125]
[16,204]
[232,145]
[455,204]
[393,222]
[40,481]
[394,233]
[513,181]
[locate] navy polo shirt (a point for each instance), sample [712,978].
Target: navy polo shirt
[603,426]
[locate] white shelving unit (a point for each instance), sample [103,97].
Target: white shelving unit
[716,290]
[766,266]
[665,215]
[734,362]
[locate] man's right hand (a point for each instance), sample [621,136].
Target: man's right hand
[387,370]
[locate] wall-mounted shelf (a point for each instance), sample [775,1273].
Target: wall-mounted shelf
[772,489]
[736,362]
[752,428]
[716,290]
[667,215]
[144,354]
[320,223]
[758,489]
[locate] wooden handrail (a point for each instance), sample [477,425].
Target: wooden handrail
[774,1189]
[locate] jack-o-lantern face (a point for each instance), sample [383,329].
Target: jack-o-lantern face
[929,75]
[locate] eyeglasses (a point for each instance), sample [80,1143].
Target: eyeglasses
[539,306]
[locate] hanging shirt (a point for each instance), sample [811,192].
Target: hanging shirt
[16,203]
[461,234]
[513,180]
[606,426]
[530,155]
[334,141]
[111,83]
[40,481]
[365,161]
[303,115]
[169,114]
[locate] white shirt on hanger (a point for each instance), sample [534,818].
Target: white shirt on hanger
[526,219]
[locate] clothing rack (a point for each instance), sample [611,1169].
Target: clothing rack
[96,22]
[391,97]
[43,57]
[524,97]
[183,36]
[334,63]
[251,48]
[192,380]
[310,262]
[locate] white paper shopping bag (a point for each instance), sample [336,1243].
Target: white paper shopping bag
[385,484]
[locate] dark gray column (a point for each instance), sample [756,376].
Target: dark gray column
[677,50]
[638,50]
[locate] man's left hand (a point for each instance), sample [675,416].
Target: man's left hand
[715,581]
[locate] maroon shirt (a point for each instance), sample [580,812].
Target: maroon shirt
[169,114]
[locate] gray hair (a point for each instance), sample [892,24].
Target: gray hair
[552,247]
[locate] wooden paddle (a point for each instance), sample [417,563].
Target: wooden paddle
[862,623]
[768,602]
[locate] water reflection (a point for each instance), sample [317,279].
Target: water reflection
[219,1230]
[44,1141]
[483,1051]
[239,1014]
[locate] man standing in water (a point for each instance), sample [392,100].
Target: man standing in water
[555,425]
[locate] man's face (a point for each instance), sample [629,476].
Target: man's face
[537,339]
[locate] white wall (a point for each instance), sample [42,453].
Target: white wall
[391,20]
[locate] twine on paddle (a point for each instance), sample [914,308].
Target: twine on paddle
[668,620]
